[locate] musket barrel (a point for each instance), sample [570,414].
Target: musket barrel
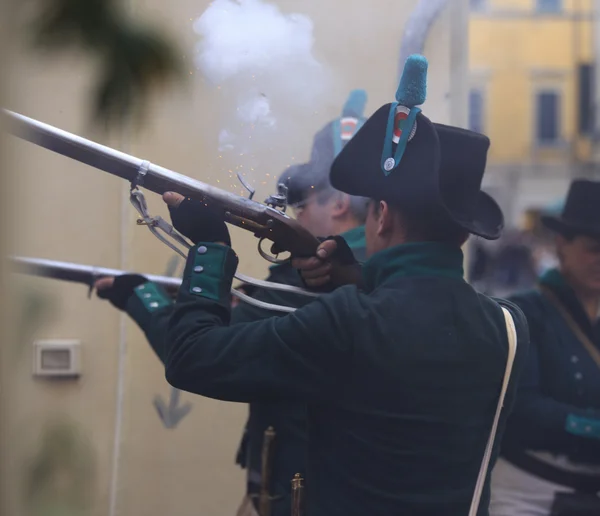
[263,220]
[78,273]
[156,178]
[87,275]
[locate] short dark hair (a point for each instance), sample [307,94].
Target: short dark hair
[422,226]
[359,206]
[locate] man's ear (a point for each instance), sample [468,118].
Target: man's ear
[387,219]
[341,205]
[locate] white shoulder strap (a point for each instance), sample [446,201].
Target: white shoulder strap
[512,350]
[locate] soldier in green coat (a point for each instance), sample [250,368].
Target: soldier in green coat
[147,303]
[319,208]
[550,462]
[400,371]
[323,211]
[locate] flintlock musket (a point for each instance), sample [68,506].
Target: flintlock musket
[88,275]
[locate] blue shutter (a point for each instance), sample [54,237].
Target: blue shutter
[549,6]
[476,111]
[548,107]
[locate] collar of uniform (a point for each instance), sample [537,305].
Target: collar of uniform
[554,280]
[557,283]
[355,237]
[416,259]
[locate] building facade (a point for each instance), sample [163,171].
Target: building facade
[531,92]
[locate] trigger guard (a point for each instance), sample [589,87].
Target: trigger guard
[268,257]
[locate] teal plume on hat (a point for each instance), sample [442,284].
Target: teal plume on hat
[411,92]
[353,108]
[356,103]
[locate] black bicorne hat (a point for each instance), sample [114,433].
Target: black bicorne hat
[400,156]
[332,138]
[581,213]
[303,179]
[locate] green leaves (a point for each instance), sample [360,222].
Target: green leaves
[60,475]
[135,60]
[87,23]
[35,310]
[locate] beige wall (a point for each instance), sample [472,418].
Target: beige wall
[73,213]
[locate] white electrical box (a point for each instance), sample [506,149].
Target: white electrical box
[57,358]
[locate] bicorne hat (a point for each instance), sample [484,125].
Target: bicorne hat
[434,170]
[306,178]
[331,139]
[581,212]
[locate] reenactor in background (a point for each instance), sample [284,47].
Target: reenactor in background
[401,369]
[276,431]
[550,462]
[323,211]
[331,139]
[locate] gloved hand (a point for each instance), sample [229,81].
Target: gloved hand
[334,265]
[342,253]
[196,220]
[118,290]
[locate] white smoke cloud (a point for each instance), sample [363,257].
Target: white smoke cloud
[251,36]
[262,64]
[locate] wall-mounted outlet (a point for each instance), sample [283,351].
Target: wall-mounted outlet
[54,358]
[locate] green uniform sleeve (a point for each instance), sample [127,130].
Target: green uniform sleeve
[539,422]
[150,307]
[299,356]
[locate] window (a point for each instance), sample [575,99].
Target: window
[549,6]
[586,99]
[547,117]
[476,110]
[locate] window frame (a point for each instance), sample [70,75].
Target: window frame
[542,9]
[483,111]
[482,5]
[558,92]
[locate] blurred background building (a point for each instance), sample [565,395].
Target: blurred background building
[532,92]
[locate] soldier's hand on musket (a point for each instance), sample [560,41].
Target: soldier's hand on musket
[316,271]
[118,290]
[333,266]
[197,220]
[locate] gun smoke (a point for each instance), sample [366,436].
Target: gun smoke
[261,63]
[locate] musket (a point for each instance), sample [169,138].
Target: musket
[88,275]
[265,221]
[264,499]
[77,273]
